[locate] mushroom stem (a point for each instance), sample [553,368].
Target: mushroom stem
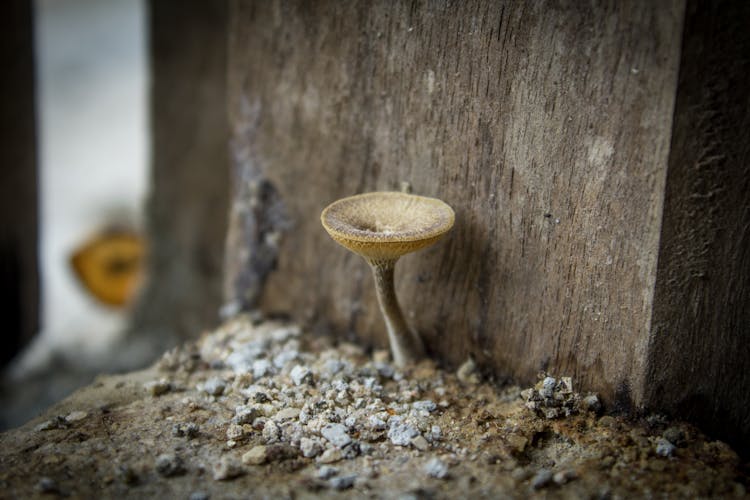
[406,346]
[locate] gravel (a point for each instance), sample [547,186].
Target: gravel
[214,386]
[301,375]
[169,465]
[331,455]
[228,467]
[343,482]
[326,472]
[336,434]
[541,479]
[256,456]
[401,433]
[436,468]
[158,387]
[316,403]
[664,448]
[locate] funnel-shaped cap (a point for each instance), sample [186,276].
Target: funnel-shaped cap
[383,226]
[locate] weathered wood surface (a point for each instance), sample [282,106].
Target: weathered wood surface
[699,358]
[546,125]
[187,209]
[19,271]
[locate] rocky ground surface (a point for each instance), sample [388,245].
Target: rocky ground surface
[263,410]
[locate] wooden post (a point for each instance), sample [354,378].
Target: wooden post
[699,354]
[190,169]
[546,126]
[19,271]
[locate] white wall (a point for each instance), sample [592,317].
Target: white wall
[92,105]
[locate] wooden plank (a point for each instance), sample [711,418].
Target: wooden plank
[700,353]
[546,126]
[187,209]
[19,270]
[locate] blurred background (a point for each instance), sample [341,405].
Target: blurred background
[113,188]
[92,141]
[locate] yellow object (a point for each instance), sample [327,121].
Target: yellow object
[110,266]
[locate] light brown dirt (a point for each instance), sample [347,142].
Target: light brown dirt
[492,444]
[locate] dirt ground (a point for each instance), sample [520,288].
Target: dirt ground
[267,411]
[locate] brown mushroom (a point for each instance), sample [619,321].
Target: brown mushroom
[381,227]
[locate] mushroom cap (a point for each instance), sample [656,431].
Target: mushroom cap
[384,225]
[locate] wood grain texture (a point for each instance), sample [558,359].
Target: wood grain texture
[545,125]
[187,209]
[19,270]
[699,359]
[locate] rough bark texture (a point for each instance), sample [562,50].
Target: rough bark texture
[546,125]
[700,350]
[187,209]
[19,278]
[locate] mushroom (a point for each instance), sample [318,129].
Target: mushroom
[381,227]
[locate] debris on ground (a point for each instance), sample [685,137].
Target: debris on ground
[263,407]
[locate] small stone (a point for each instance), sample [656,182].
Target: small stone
[420,443]
[343,482]
[301,375]
[333,366]
[169,465]
[326,472]
[331,455]
[436,468]
[287,414]
[47,485]
[385,370]
[75,416]
[664,448]
[675,436]
[564,476]
[57,422]
[279,452]
[310,448]
[401,433]
[271,432]
[235,432]
[261,368]
[541,479]
[550,413]
[157,387]
[256,456]
[426,405]
[528,394]
[214,386]
[284,357]
[375,423]
[517,443]
[245,415]
[466,373]
[336,434]
[548,387]
[436,433]
[227,468]
[591,403]
[566,385]
[199,495]
[189,430]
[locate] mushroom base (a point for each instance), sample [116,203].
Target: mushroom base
[406,346]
